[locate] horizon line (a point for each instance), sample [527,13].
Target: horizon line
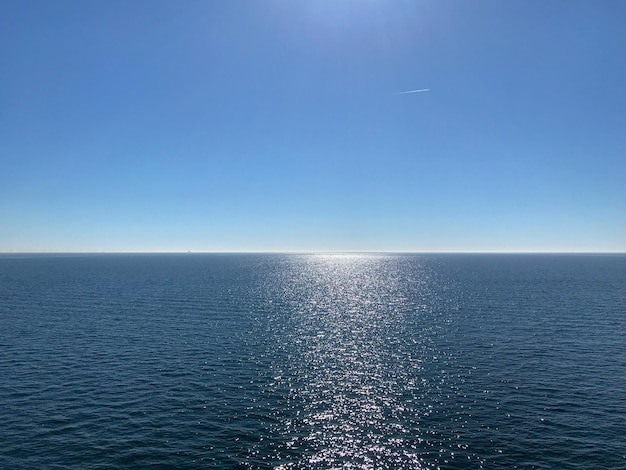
[311,252]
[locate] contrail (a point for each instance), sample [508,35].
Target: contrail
[414,91]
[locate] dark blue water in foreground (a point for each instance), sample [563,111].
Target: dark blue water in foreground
[310,361]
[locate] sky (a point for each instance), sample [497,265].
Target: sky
[276,125]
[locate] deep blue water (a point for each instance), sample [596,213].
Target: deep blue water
[311,361]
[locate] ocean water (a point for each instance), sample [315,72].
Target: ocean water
[313,361]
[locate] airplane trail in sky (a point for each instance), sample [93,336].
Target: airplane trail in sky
[414,91]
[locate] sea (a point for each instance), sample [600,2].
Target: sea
[313,361]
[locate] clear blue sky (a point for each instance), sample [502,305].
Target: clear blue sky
[278,125]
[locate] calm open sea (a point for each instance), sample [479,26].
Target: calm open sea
[313,361]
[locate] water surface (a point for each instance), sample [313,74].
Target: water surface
[313,361]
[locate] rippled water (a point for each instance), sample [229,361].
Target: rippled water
[312,361]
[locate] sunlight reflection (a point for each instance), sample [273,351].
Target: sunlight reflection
[352,375]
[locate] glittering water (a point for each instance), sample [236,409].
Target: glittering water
[312,361]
